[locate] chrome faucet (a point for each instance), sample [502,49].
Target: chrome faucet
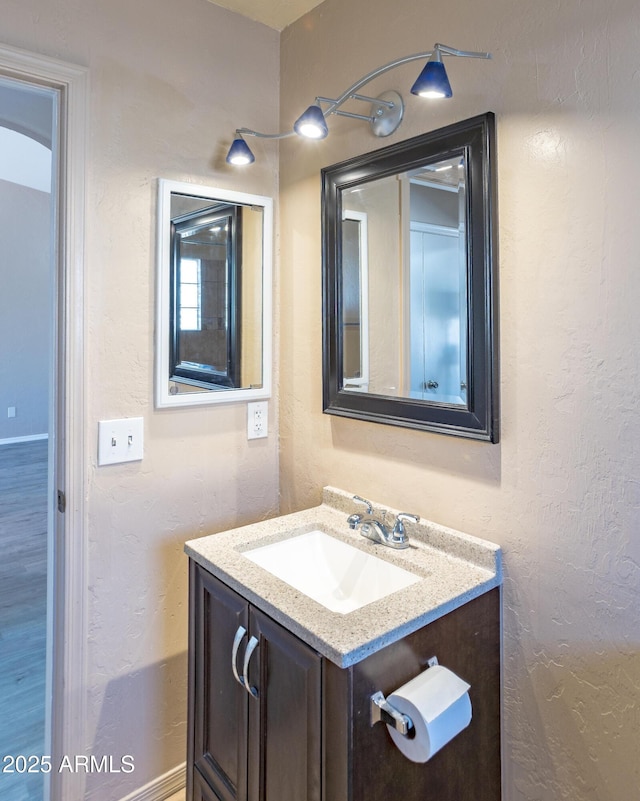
[377,530]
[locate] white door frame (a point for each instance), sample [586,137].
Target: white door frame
[67,674]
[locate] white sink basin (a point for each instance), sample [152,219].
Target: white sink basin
[335,574]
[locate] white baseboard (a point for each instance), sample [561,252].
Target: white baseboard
[28,438]
[161,788]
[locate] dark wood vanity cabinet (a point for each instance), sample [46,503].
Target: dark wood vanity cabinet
[361,763]
[261,743]
[307,735]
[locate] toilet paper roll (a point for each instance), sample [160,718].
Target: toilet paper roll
[438,703]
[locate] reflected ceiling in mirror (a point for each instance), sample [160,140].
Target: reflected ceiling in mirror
[409,285]
[214,295]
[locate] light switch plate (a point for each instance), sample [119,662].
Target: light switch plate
[120,440]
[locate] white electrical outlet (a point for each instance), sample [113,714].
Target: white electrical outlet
[257,420]
[120,440]
[11,411]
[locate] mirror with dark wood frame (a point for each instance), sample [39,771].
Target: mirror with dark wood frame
[206,297]
[410,285]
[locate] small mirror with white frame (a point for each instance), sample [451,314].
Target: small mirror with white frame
[214,295]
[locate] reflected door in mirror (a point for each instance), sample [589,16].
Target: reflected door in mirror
[436,290]
[355,295]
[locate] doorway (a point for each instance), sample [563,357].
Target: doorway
[28,365]
[42,462]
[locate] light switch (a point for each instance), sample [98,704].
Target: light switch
[120,440]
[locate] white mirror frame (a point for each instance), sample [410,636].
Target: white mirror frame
[164,399]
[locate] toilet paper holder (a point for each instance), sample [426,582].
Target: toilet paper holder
[383,711]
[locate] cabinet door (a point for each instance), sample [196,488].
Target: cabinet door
[219,704]
[284,718]
[201,790]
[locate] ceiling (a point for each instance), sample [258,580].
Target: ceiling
[274,13]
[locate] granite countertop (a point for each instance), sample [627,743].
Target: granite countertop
[456,568]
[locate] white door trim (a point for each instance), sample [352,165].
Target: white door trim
[68,703]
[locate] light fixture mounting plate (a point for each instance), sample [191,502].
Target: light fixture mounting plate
[385,118]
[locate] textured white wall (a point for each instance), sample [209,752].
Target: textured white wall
[169,83]
[561,491]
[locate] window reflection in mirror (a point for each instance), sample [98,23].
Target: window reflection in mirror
[214,296]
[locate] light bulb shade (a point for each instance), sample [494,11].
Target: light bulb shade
[432,81]
[312,123]
[240,153]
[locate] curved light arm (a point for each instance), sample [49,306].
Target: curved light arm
[444,49]
[334,105]
[249,132]
[452,51]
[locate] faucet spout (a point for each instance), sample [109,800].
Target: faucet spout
[377,531]
[373,529]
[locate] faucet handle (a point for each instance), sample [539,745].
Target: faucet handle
[398,527]
[367,503]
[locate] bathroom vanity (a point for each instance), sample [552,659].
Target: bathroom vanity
[280,686]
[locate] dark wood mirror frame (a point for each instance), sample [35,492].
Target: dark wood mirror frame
[479,418]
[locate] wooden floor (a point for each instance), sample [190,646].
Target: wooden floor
[23,595]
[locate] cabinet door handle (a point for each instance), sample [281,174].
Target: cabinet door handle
[251,647]
[234,653]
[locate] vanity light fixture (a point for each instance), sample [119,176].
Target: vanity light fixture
[240,153]
[386,111]
[433,81]
[312,123]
